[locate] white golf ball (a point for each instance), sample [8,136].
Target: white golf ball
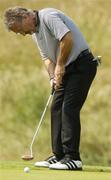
[26,169]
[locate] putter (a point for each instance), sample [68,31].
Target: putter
[30,156]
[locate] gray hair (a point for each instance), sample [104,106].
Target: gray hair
[13,15]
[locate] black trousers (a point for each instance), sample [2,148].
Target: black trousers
[67,103]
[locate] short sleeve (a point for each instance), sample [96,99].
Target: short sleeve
[56,25]
[42,53]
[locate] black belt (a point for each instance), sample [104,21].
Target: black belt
[84,53]
[88,52]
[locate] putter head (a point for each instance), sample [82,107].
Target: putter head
[27,157]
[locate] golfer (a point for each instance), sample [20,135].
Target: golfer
[69,62]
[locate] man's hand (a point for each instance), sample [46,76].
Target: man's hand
[58,75]
[52,82]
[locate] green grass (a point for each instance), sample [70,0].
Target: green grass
[14,171]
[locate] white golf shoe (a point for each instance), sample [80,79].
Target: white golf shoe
[69,165]
[47,162]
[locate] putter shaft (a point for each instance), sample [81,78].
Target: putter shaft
[38,126]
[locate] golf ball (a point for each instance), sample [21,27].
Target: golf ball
[26,169]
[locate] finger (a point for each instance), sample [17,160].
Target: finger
[57,85]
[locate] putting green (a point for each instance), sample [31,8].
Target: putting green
[14,171]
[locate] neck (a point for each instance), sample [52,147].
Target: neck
[36,17]
[37,21]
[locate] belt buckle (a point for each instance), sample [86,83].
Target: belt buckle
[98,60]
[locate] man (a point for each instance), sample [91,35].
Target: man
[71,69]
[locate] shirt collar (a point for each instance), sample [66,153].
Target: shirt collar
[38,21]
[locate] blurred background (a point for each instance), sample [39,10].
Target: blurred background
[24,84]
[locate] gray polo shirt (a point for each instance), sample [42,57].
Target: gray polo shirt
[53,26]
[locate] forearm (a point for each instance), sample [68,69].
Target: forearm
[50,67]
[65,48]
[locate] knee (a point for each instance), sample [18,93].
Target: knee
[71,109]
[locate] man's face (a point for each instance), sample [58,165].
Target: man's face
[25,26]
